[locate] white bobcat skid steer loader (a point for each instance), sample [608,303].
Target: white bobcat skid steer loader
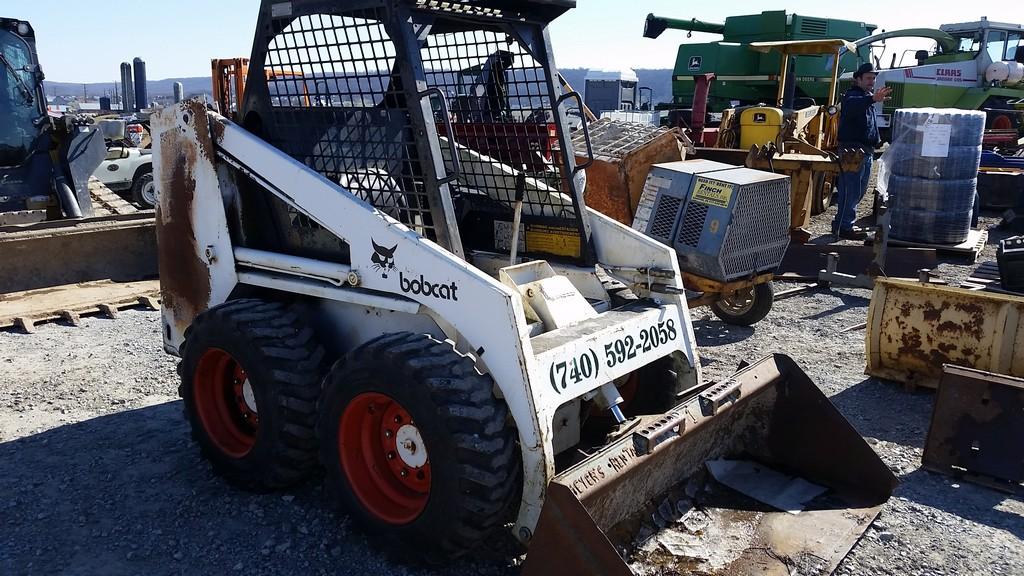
[349,278]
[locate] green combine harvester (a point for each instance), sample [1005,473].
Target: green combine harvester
[743,76]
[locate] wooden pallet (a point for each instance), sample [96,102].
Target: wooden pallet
[972,247]
[986,277]
[70,302]
[107,202]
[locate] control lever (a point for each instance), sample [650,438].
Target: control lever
[517,218]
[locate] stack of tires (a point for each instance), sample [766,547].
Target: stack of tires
[932,185]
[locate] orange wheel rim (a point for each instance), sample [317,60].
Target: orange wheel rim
[384,458]
[225,403]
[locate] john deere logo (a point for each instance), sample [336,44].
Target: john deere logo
[695,62]
[760,118]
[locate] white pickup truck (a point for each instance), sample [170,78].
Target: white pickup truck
[129,169]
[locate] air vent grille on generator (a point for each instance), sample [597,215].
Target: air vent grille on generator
[753,241]
[725,223]
[665,217]
[693,224]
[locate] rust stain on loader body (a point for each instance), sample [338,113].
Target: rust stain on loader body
[184,276]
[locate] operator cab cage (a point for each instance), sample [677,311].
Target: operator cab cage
[440,114]
[26,165]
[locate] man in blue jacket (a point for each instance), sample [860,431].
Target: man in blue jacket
[857,129]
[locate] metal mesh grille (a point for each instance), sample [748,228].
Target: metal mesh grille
[759,230]
[339,107]
[665,217]
[693,224]
[614,139]
[502,118]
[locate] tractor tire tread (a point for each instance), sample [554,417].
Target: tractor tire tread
[290,356]
[477,421]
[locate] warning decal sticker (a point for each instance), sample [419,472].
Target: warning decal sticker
[712,193]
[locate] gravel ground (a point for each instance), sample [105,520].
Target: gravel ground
[99,476]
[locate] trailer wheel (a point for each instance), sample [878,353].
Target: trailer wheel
[250,377]
[745,307]
[144,189]
[416,447]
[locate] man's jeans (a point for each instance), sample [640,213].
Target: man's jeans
[852,186]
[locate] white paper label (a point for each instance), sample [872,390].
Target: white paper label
[936,140]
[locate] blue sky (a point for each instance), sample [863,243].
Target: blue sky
[86,41]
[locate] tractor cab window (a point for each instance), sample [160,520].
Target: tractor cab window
[996,45]
[969,43]
[1014,48]
[18,106]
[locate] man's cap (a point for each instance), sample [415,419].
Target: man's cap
[863,69]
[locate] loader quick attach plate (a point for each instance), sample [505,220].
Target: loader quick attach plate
[976,426]
[649,503]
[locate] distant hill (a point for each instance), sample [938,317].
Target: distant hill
[157,88]
[659,80]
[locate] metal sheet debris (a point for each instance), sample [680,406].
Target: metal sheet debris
[778,490]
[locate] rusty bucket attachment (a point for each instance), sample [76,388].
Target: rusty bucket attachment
[914,328]
[657,500]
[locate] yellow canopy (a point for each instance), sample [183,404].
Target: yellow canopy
[830,46]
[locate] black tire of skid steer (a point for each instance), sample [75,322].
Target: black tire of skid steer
[468,437]
[284,364]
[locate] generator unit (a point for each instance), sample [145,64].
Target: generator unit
[725,222]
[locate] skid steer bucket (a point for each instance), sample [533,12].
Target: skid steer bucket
[62,268]
[687,492]
[914,328]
